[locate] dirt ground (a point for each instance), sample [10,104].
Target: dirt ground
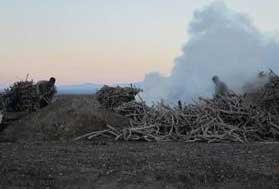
[138,165]
[67,118]
[32,157]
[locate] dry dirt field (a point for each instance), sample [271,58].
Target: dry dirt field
[37,152]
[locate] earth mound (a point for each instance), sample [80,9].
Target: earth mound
[68,117]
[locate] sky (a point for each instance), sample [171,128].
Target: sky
[108,41]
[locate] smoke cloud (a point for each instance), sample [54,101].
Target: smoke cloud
[222,42]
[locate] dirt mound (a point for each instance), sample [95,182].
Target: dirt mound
[65,119]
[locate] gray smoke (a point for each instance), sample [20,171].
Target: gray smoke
[222,42]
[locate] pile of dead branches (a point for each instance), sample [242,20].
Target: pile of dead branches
[111,97]
[233,118]
[268,96]
[208,120]
[21,96]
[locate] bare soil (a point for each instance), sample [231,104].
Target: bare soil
[67,118]
[37,152]
[138,165]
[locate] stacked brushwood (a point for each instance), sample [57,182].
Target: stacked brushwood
[223,119]
[20,97]
[111,97]
[268,96]
[19,100]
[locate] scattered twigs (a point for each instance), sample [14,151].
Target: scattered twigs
[92,134]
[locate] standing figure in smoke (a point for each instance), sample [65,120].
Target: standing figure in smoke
[221,88]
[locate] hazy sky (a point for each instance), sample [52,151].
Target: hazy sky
[104,41]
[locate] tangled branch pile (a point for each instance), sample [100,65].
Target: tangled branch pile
[110,97]
[268,96]
[232,118]
[22,97]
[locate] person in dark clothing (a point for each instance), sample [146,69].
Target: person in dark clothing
[221,88]
[46,91]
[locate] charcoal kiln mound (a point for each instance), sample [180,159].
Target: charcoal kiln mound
[68,117]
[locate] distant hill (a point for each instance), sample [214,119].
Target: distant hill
[89,88]
[136,84]
[86,88]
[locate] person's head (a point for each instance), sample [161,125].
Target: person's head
[52,81]
[215,79]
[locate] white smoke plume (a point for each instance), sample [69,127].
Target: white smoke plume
[222,42]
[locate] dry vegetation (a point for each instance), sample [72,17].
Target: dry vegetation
[22,96]
[234,118]
[114,113]
[34,155]
[111,97]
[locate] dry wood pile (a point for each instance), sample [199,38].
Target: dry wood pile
[229,118]
[111,97]
[22,97]
[268,96]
